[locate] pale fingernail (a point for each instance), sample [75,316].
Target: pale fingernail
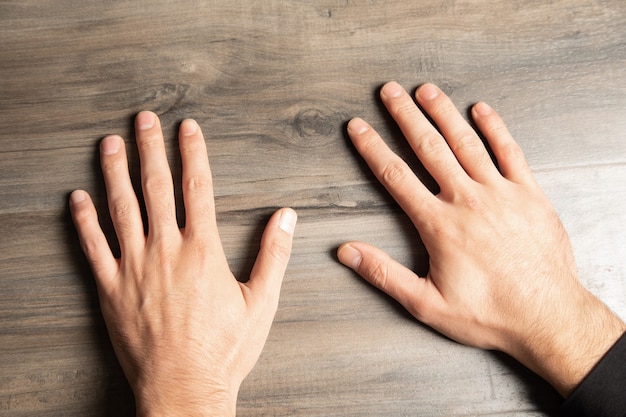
[358,126]
[78,196]
[349,256]
[145,120]
[392,90]
[287,221]
[188,127]
[110,145]
[428,92]
[482,109]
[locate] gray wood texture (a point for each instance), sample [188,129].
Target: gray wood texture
[273,84]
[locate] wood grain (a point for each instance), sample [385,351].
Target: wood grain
[273,84]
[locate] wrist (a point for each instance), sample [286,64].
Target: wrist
[178,401]
[571,344]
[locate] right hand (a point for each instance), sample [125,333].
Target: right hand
[502,273]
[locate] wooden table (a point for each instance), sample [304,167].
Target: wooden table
[273,84]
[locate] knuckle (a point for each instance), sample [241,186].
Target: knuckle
[91,247]
[198,184]
[279,251]
[148,141]
[112,165]
[512,151]
[442,106]
[121,209]
[377,272]
[405,110]
[428,145]
[157,185]
[121,214]
[467,142]
[393,173]
[472,202]
[495,128]
[440,227]
[372,144]
[191,145]
[82,215]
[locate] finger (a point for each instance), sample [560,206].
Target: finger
[431,149]
[271,263]
[416,294]
[123,205]
[92,239]
[391,170]
[466,145]
[197,181]
[509,155]
[156,176]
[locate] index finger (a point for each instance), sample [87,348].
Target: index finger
[395,175]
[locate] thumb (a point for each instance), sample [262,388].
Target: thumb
[388,275]
[271,262]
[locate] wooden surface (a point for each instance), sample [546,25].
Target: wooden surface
[273,83]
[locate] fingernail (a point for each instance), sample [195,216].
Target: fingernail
[287,221]
[110,145]
[77,196]
[482,109]
[188,127]
[349,256]
[392,90]
[358,126]
[428,92]
[145,120]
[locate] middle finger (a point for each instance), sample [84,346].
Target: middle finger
[156,177]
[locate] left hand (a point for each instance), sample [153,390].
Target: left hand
[501,267]
[185,331]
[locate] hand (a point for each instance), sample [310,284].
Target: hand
[501,272]
[185,331]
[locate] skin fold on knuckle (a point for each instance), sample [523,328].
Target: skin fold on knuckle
[148,141]
[393,173]
[191,145]
[112,165]
[473,203]
[510,151]
[121,208]
[405,110]
[82,216]
[376,271]
[121,214]
[279,250]
[370,144]
[92,247]
[198,185]
[493,127]
[429,145]
[468,143]
[443,108]
[158,185]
